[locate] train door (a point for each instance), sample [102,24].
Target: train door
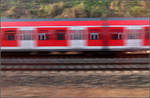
[60,37]
[76,39]
[134,37]
[26,38]
[105,36]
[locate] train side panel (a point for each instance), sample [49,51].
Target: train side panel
[51,37]
[147,36]
[9,37]
[105,36]
[89,35]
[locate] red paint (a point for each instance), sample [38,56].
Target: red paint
[8,43]
[94,42]
[146,42]
[75,23]
[116,42]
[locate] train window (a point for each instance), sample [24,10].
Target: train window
[60,35]
[43,36]
[134,35]
[10,36]
[116,36]
[94,36]
[26,35]
[76,35]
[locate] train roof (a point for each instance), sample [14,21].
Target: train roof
[73,19]
[6,22]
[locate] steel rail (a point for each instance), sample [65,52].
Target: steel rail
[76,67]
[76,97]
[75,61]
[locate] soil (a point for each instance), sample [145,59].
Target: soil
[74,84]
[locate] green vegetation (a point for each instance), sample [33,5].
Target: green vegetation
[73,8]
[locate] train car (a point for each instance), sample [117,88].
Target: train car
[75,34]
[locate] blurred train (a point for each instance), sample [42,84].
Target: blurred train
[75,34]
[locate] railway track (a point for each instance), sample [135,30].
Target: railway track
[79,97]
[75,63]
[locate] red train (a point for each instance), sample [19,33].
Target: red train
[77,34]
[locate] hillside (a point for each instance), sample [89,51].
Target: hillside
[73,8]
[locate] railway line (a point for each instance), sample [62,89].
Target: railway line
[75,63]
[82,97]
